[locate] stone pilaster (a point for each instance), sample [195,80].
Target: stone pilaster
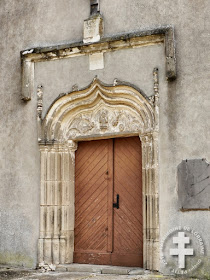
[56,242]
[150,200]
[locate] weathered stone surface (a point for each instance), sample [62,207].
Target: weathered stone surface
[27,79]
[107,111]
[194,184]
[93,29]
[115,270]
[96,61]
[19,274]
[84,268]
[137,271]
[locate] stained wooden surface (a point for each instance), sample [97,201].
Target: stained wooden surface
[128,235]
[91,193]
[103,234]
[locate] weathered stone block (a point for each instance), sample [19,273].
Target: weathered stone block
[115,270]
[96,61]
[27,79]
[194,184]
[93,29]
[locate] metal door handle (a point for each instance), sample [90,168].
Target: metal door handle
[116,205]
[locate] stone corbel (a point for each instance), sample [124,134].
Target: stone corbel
[27,78]
[170,53]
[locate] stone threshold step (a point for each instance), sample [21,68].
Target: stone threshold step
[101,269]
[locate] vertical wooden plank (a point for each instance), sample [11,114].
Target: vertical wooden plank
[110,195]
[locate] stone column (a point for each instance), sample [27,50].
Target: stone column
[56,242]
[150,200]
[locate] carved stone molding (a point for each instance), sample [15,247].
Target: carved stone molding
[99,111]
[163,34]
[39,110]
[102,121]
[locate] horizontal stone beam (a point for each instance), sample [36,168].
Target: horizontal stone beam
[106,44]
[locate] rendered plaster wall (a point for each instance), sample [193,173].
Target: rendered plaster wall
[25,24]
[184,103]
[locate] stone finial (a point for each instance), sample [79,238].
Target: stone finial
[154,98]
[75,87]
[156,86]
[39,101]
[156,80]
[39,111]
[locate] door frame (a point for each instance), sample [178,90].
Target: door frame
[96,112]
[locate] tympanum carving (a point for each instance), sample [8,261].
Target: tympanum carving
[99,110]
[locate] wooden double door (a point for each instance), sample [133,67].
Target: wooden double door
[108,202]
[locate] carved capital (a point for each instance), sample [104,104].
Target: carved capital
[72,145]
[146,138]
[43,148]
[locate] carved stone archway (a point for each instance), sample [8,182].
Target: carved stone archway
[99,111]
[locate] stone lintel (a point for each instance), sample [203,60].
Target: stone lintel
[140,38]
[162,30]
[94,43]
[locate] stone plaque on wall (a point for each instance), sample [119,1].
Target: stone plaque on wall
[194,184]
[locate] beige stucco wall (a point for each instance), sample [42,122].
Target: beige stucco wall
[184,103]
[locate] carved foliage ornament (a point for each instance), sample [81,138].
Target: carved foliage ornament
[103,121]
